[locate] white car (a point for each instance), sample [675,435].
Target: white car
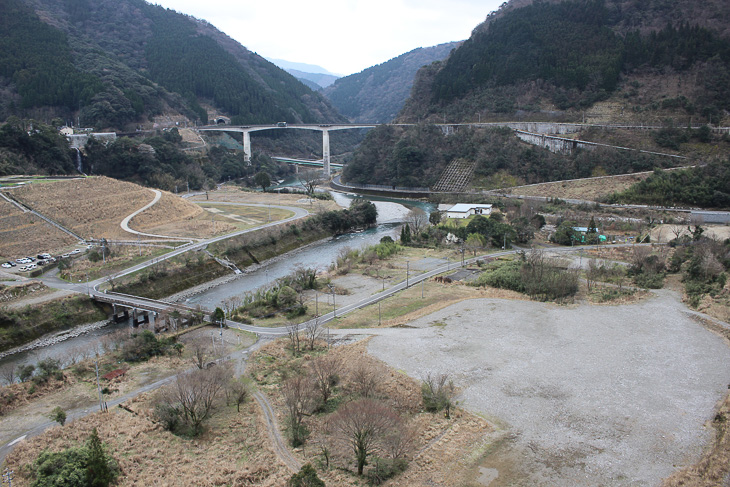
[75,251]
[6,265]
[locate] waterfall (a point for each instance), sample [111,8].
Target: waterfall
[79,166]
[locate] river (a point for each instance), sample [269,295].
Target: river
[391,213]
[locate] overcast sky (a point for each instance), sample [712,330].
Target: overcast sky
[342,36]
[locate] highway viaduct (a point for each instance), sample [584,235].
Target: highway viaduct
[532,132]
[324,128]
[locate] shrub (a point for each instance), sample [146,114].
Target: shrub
[306,477]
[58,415]
[385,468]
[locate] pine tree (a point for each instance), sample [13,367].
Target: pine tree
[100,470]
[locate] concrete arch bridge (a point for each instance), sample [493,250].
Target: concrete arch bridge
[324,128]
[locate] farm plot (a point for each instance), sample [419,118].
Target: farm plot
[25,234]
[94,207]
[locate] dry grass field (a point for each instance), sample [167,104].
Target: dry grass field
[584,189]
[24,234]
[177,217]
[233,194]
[94,208]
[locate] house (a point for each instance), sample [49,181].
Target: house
[464,210]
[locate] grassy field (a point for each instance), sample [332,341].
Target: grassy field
[592,189]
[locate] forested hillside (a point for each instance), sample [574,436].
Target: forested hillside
[417,155]
[706,187]
[376,94]
[115,64]
[560,58]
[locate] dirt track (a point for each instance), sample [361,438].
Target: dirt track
[585,396]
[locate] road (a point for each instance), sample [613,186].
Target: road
[55,282]
[278,443]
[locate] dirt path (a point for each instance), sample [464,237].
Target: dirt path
[277,441]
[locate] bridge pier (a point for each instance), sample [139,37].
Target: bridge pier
[247,147]
[326,151]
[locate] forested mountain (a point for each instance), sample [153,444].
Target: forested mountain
[116,63]
[377,94]
[645,59]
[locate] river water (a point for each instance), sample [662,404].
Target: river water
[391,213]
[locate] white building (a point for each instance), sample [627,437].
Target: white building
[464,210]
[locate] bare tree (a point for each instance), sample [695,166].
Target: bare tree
[364,379]
[325,374]
[310,180]
[300,401]
[361,425]
[439,393]
[417,219]
[292,332]
[399,440]
[201,352]
[238,391]
[313,331]
[196,392]
[8,373]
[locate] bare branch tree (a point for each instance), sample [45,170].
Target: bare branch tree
[310,180]
[201,352]
[300,402]
[8,373]
[439,393]
[361,425]
[313,331]
[196,392]
[325,374]
[364,379]
[238,391]
[417,219]
[292,332]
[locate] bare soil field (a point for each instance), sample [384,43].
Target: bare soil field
[591,189]
[24,234]
[582,395]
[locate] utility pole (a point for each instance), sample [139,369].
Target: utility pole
[408,268]
[98,386]
[379,313]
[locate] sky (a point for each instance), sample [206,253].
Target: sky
[342,36]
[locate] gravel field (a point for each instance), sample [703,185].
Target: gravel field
[583,396]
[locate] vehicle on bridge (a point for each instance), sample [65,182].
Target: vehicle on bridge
[281,124]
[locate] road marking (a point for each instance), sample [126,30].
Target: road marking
[17,440]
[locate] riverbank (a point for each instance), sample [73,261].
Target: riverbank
[19,327]
[55,338]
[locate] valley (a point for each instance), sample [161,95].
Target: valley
[511,269]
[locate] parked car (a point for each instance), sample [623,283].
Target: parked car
[6,265]
[75,251]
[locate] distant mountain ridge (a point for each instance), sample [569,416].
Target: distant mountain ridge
[316,77]
[115,64]
[378,93]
